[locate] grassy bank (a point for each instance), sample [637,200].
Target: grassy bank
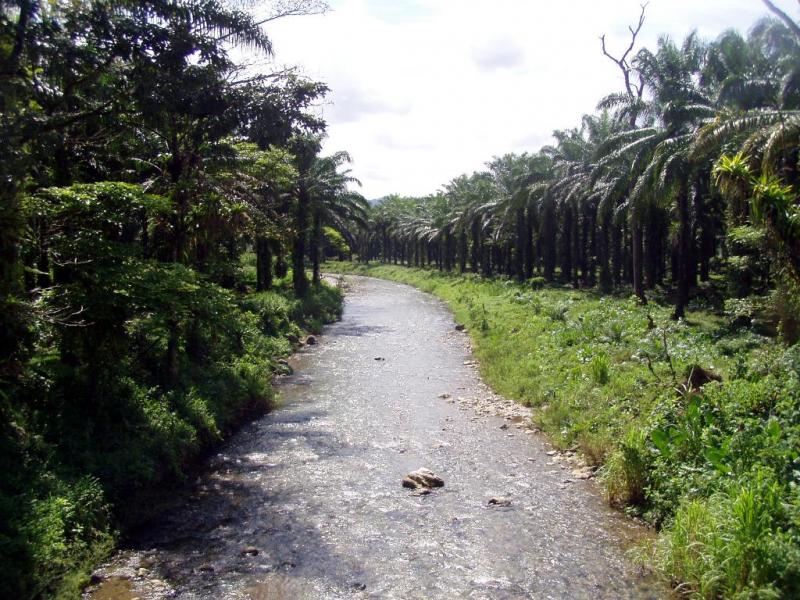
[91,443]
[695,424]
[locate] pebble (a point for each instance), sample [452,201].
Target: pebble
[499,501]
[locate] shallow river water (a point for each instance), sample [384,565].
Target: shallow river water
[306,502]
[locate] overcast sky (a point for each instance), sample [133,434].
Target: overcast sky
[425,90]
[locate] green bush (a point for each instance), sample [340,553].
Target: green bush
[600,370]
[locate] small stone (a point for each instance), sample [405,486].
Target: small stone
[499,501]
[444,396]
[584,473]
[422,478]
[311,340]
[250,551]
[460,327]
[504,426]
[206,569]
[552,452]
[359,586]
[283,367]
[379,358]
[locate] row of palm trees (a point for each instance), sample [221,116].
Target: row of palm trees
[637,194]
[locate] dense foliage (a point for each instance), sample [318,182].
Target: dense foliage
[677,199]
[152,192]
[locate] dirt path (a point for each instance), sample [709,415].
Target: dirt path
[307,503]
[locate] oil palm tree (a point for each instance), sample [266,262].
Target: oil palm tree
[333,203]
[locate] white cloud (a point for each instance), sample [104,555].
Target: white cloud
[499,53]
[350,102]
[424,90]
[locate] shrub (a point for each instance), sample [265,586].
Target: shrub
[599,369]
[625,474]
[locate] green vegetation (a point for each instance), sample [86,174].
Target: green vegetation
[695,422]
[160,204]
[152,195]
[93,434]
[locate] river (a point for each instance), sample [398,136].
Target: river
[306,502]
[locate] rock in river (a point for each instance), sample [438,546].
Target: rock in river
[499,501]
[422,478]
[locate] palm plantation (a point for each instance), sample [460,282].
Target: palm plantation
[164,218]
[628,198]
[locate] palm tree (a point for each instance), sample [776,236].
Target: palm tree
[659,155]
[333,204]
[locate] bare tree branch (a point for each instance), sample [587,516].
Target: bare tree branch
[278,9]
[790,23]
[634,90]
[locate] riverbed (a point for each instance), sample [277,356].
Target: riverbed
[306,502]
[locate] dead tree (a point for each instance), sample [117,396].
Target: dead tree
[633,88]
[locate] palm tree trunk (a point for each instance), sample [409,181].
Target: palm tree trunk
[591,279]
[281,268]
[263,264]
[316,247]
[683,268]
[486,257]
[463,249]
[529,247]
[636,255]
[299,281]
[567,250]
[617,254]
[476,245]
[519,245]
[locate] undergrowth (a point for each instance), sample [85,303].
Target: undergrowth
[93,434]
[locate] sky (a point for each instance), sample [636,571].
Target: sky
[425,90]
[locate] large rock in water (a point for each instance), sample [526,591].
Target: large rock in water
[422,479]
